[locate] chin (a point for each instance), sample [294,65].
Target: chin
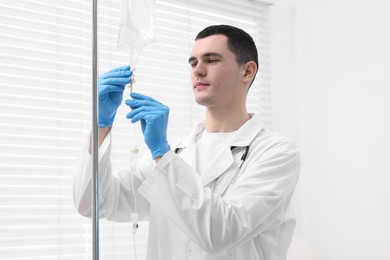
[203,101]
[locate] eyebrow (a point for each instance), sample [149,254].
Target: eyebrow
[207,54]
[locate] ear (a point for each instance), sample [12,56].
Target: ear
[249,72]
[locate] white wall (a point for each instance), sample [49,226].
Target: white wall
[339,114]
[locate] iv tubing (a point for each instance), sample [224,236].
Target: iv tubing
[95,144]
[134,214]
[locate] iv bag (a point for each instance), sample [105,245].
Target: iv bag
[137,26]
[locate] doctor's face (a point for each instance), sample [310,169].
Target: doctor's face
[216,75]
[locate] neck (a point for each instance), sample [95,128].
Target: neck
[223,120]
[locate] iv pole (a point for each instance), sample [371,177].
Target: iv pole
[95,139]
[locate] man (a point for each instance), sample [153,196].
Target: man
[224,192]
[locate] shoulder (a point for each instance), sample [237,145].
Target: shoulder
[270,144]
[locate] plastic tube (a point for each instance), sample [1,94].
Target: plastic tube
[137,29]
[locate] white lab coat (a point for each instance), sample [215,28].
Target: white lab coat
[188,220]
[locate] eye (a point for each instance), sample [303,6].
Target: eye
[212,60]
[193,64]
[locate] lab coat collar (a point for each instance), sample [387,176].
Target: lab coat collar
[247,132]
[224,159]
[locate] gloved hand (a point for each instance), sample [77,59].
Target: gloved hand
[111,87]
[154,122]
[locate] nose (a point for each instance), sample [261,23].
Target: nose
[199,71]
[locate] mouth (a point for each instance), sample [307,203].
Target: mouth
[201,85]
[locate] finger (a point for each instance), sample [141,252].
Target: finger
[146,116]
[133,116]
[141,112]
[133,120]
[143,125]
[114,81]
[139,96]
[115,73]
[121,68]
[131,103]
[118,74]
[134,103]
[104,89]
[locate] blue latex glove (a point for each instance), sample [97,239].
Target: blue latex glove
[111,87]
[154,122]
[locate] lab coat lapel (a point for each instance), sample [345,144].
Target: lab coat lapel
[188,154]
[187,147]
[224,159]
[187,150]
[218,165]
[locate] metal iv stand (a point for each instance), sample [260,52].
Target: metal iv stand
[95,137]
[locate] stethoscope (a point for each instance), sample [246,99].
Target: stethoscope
[243,158]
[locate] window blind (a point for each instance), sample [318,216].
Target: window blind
[45,110]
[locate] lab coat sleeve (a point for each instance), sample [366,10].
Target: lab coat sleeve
[255,203]
[116,198]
